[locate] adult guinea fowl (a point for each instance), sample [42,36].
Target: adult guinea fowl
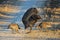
[30,18]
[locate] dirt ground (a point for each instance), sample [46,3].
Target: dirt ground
[34,35]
